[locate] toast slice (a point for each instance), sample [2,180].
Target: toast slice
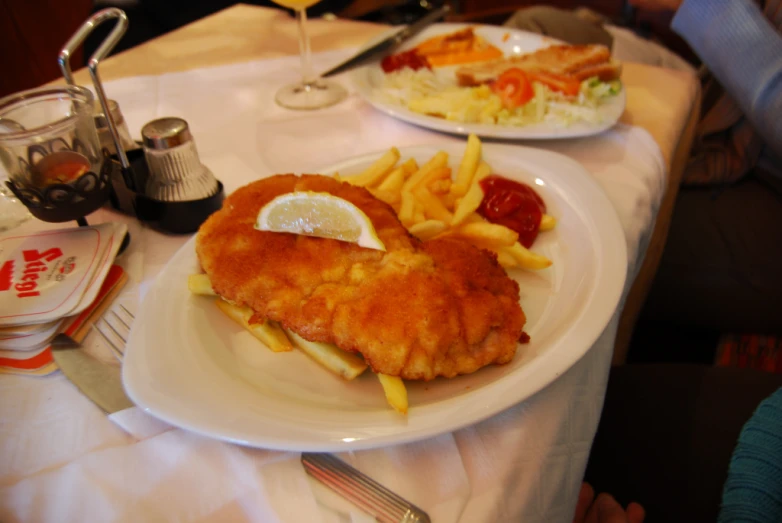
[574,61]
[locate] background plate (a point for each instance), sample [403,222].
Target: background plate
[191,366]
[368,82]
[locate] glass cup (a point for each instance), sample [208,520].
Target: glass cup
[104,134]
[12,212]
[311,92]
[51,152]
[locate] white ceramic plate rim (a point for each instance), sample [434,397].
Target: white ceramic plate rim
[277,428]
[365,80]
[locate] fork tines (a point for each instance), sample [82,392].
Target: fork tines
[114,329]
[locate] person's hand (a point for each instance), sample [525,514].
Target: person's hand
[656,5]
[605,509]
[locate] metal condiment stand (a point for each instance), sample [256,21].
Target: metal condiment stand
[64,60]
[128,195]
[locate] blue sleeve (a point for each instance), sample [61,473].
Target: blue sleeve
[753,489]
[744,52]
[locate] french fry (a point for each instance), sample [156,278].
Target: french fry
[473,197]
[428,229]
[269,332]
[475,218]
[441,188]
[410,167]
[200,285]
[418,213]
[395,391]
[394,180]
[277,340]
[436,174]
[407,209]
[526,258]
[433,207]
[390,197]
[449,200]
[438,160]
[505,259]
[547,222]
[375,172]
[487,233]
[341,363]
[470,160]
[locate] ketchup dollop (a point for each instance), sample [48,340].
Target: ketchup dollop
[515,205]
[410,59]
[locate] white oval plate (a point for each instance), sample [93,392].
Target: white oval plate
[188,364]
[368,82]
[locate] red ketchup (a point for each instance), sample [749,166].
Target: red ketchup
[512,204]
[410,59]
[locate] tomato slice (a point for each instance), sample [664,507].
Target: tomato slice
[564,84]
[513,87]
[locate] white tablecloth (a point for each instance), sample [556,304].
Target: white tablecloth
[62,459]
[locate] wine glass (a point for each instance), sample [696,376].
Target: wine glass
[312,92]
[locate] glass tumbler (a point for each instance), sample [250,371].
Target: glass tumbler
[12,211]
[51,152]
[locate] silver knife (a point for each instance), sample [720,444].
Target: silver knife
[99,381]
[388,44]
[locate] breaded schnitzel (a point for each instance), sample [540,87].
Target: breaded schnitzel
[418,311]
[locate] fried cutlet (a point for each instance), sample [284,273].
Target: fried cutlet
[418,311]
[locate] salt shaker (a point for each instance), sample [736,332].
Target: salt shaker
[102,126]
[175,170]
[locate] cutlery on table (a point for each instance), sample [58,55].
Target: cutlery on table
[100,382]
[361,490]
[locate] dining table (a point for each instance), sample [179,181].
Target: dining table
[63,459]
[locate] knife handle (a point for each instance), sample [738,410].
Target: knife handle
[361,490]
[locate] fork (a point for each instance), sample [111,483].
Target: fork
[353,485]
[118,329]
[98,380]
[361,490]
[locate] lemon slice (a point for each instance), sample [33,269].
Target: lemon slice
[319,214]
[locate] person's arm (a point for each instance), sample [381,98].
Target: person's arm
[754,484]
[744,52]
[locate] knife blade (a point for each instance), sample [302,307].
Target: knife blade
[388,44]
[100,382]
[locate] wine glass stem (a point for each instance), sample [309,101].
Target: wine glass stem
[304,48]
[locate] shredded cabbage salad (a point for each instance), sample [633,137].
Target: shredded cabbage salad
[423,91]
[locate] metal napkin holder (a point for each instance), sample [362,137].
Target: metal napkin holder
[129,168]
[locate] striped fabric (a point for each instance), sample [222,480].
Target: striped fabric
[753,351]
[726,146]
